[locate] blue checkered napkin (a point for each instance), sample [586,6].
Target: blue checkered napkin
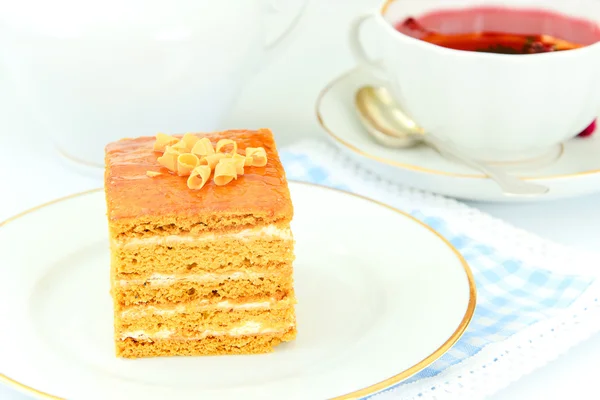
[512,296]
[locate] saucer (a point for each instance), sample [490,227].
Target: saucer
[575,172]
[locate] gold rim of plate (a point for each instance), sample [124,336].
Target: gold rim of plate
[337,138]
[358,393]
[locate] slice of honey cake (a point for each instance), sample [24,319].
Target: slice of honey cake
[201,247]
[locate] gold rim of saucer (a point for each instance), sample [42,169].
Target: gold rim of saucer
[411,167]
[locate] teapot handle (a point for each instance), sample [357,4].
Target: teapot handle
[281,41]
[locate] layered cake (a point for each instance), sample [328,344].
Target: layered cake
[201,247]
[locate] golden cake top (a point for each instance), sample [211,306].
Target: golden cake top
[137,185]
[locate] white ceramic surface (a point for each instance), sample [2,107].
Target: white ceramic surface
[94,72]
[495,106]
[395,309]
[576,172]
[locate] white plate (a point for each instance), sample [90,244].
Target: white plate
[575,173]
[380,297]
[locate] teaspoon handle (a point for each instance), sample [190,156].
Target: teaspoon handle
[509,184]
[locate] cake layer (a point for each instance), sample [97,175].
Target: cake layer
[206,323]
[211,345]
[155,280]
[248,328]
[141,206]
[272,285]
[268,232]
[239,303]
[174,225]
[219,255]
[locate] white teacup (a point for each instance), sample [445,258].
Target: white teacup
[97,71]
[496,107]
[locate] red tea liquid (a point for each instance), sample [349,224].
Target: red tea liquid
[502,30]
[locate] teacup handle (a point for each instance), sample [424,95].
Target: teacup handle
[359,52]
[378,73]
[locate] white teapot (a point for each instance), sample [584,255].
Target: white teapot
[97,71]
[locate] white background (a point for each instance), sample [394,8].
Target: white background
[282,97]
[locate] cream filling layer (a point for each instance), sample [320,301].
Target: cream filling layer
[142,311]
[270,231]
[249,328]
[166,280]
